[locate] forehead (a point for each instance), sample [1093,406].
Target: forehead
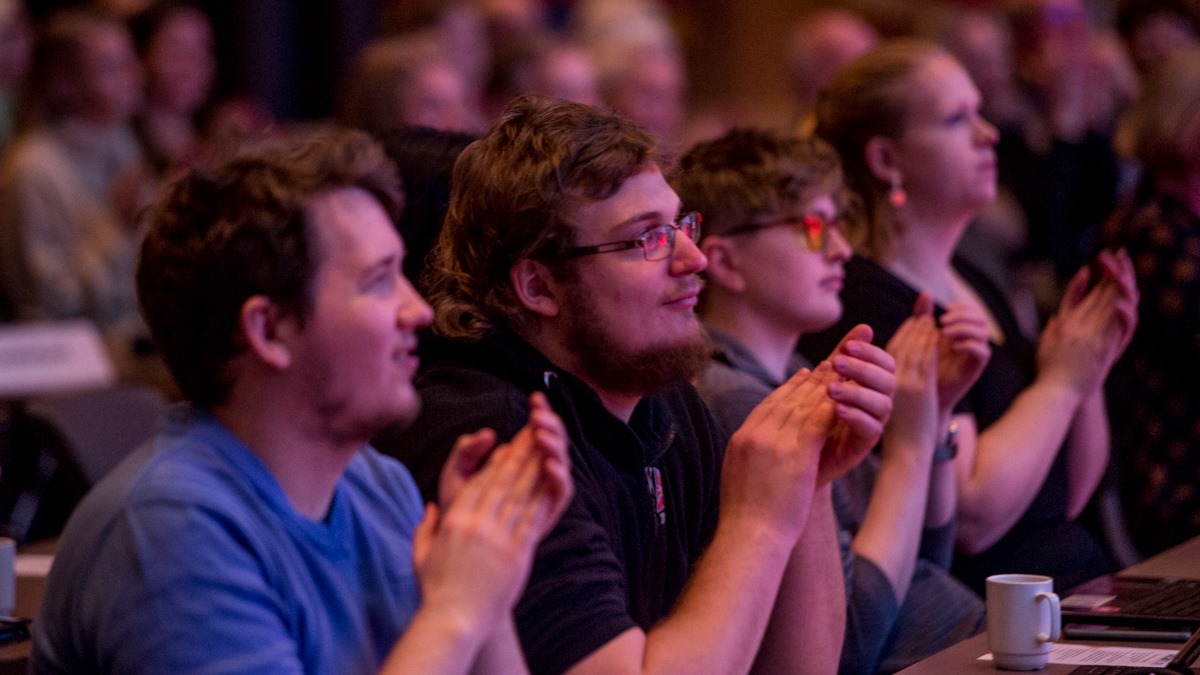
[350,226]
[643,199]
[939,84]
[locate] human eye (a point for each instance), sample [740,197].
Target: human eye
[656,238]
[381,279]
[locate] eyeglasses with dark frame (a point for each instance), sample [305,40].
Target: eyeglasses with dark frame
[814,227]
[656,244]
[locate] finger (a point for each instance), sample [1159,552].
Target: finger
[924,304]
[774,408]
[423,535]
[868,374]
[872,401]
[513,499]
[861,422]
[469,452]
[902,337]
[859,333]
[1076,289]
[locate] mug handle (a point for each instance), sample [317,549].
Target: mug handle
[1055,617]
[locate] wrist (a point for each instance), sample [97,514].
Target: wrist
[947,449]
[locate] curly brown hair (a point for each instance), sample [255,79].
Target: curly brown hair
[511,197]
[218,237]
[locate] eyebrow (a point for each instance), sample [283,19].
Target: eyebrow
[641,217]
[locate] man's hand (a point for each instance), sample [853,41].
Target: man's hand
[495,508]
[862,382]
[770,467]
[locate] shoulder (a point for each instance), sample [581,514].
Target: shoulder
[730,393]
[458,396]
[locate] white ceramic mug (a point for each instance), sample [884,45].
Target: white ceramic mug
[1023,618]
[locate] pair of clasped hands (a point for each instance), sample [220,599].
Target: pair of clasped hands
[821,422]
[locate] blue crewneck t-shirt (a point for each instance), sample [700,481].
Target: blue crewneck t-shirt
[189,558]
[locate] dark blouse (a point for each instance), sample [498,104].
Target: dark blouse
[1154,398]
[1042,541]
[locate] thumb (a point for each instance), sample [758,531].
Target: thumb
[423,537]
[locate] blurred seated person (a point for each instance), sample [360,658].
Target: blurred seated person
[775,257]
[1152,29]
[408,80]
[1152,391]
[424,158]
[1058,162]
[640,65]
[16,48]
[544,65]
[259,532]
[1033,431]
[175,42]
[71,181]
[821,42]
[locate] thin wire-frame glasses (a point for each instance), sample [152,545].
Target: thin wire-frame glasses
[656,244]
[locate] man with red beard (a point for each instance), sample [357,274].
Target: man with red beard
[566,267]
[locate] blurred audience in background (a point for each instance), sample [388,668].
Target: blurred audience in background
[1153,389]
[1152,29]
[175,41]
[73,178]
[1059,161]
[424,158]
[16,50]
[821,43]
[640,63]
[408,80]
[544,64]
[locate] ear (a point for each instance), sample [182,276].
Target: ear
[724,263]
[535,287]
[880,155]
[267,333]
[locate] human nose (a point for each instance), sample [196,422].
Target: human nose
[686,256]
[412,312]
[986,132]
[837,248]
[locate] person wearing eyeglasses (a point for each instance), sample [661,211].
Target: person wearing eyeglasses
[775,269]
[566,266]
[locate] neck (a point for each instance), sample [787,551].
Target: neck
[922,252]
[305,462]
[620,404]
[771,344]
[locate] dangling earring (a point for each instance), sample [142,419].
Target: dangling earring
[897,197]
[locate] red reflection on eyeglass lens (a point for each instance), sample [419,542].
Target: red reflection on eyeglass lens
[814,230]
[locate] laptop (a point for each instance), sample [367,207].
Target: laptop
[1149,602]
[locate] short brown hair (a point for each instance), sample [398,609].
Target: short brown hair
[511,197]
[749,173]
[870,97]
[218,237]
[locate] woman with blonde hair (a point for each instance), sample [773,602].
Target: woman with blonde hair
[1032,434]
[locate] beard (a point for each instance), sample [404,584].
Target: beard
[612,366]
